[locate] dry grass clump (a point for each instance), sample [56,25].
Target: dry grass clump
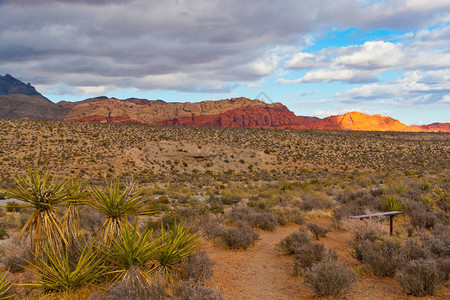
[365,229]
[288,215]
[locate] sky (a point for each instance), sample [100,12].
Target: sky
[317,57]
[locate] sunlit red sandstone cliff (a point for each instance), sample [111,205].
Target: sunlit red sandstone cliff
[236,112]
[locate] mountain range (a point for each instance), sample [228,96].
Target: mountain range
[20,100]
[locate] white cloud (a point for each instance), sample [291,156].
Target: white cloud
[373,55]
[445,99]
[303,60]
[413,87]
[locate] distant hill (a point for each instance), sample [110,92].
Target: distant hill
[10,85]
[235,112]
[20,100]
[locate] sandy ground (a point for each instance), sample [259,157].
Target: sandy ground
[261,273]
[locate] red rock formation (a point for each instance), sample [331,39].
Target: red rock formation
[236,112]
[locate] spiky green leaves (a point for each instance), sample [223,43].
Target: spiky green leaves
[116,204]
[131,253]
[44,195]
[58,273]
[5,288]
[176,244]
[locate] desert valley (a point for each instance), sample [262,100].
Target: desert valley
[228,199]
[224,150]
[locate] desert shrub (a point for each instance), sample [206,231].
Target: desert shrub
[197,267]
[358,202]
[392,203]
[330,277]
[413,249]
[15,264]
[288,215]
[189,290]
[425,186]
[309,204]
[133,288]
[211,225]
[383,257]
[215,204]
[240,237]
[438,246]
[317,230]
[12,206]
[420,277]
[310,254]
[91,219]
[254,217]
[444,267]
[421,215]
[365,229]
[167,221]
[3,232]
[293,242]
[231,199]
[442,198]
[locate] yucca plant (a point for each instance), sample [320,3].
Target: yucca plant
[58,274]
[131,254]
[71,219]
[392,203]
[400,189]
[116,205]
[5,288]
[45,196]
[177,244]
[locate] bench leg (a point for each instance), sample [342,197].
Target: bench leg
[391,224]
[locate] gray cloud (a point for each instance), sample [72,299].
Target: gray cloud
[183,45]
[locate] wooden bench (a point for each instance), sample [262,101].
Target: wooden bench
[390,214]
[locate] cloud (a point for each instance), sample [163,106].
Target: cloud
[305,60]
[372,55]
[185,45]
[413,88]
[426,50]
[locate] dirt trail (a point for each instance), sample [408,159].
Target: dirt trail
[261,273]
[257,273]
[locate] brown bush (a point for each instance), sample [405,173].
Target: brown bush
[310,254]
[293,242]
[317,230]
[330,277]
[254,217]
[198,267]
[420,215]
[189,290]
[383,257]
[420,277]
[240,237]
